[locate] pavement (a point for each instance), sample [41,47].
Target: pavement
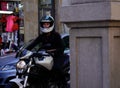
[8,55]
[7,58]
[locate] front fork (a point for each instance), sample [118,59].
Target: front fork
[26,77]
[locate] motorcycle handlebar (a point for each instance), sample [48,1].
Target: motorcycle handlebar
[39,55]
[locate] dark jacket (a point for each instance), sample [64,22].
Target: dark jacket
[48,42]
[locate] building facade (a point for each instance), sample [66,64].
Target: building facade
[34,10]
[94,42]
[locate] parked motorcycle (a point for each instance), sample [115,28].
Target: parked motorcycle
[34,70]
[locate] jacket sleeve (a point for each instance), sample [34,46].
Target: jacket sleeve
[34,43]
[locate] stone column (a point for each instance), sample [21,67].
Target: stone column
[94,42]
[30,19]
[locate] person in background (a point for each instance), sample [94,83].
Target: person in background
[0,40]
[2,52]
[13,46]
[0,44]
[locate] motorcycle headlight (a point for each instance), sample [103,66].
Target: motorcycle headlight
[21,66]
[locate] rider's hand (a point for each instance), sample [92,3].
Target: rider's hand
[51,50]
[36,55]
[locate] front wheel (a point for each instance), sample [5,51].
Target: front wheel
[11,85]
[57,85]
[59,82]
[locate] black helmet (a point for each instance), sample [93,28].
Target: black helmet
[47,19]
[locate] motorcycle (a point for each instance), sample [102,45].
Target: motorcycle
[34,70]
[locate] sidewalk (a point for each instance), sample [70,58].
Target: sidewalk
[7,53]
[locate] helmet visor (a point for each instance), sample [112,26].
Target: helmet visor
[46,24]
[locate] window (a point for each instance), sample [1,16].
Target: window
[46,7]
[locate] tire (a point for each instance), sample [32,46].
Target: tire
[58,83]
[66,74]
[11,85]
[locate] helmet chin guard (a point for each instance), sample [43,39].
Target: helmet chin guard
[46,30]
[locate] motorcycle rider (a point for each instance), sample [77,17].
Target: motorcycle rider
[51,40]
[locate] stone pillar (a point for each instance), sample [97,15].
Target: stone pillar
[30,19]
[94,42]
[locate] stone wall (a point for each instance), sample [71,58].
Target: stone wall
[94,42]
[31,19]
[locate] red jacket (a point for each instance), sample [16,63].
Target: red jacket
[0,40]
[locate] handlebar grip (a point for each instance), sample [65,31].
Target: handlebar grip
[39,55]
[36,55]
